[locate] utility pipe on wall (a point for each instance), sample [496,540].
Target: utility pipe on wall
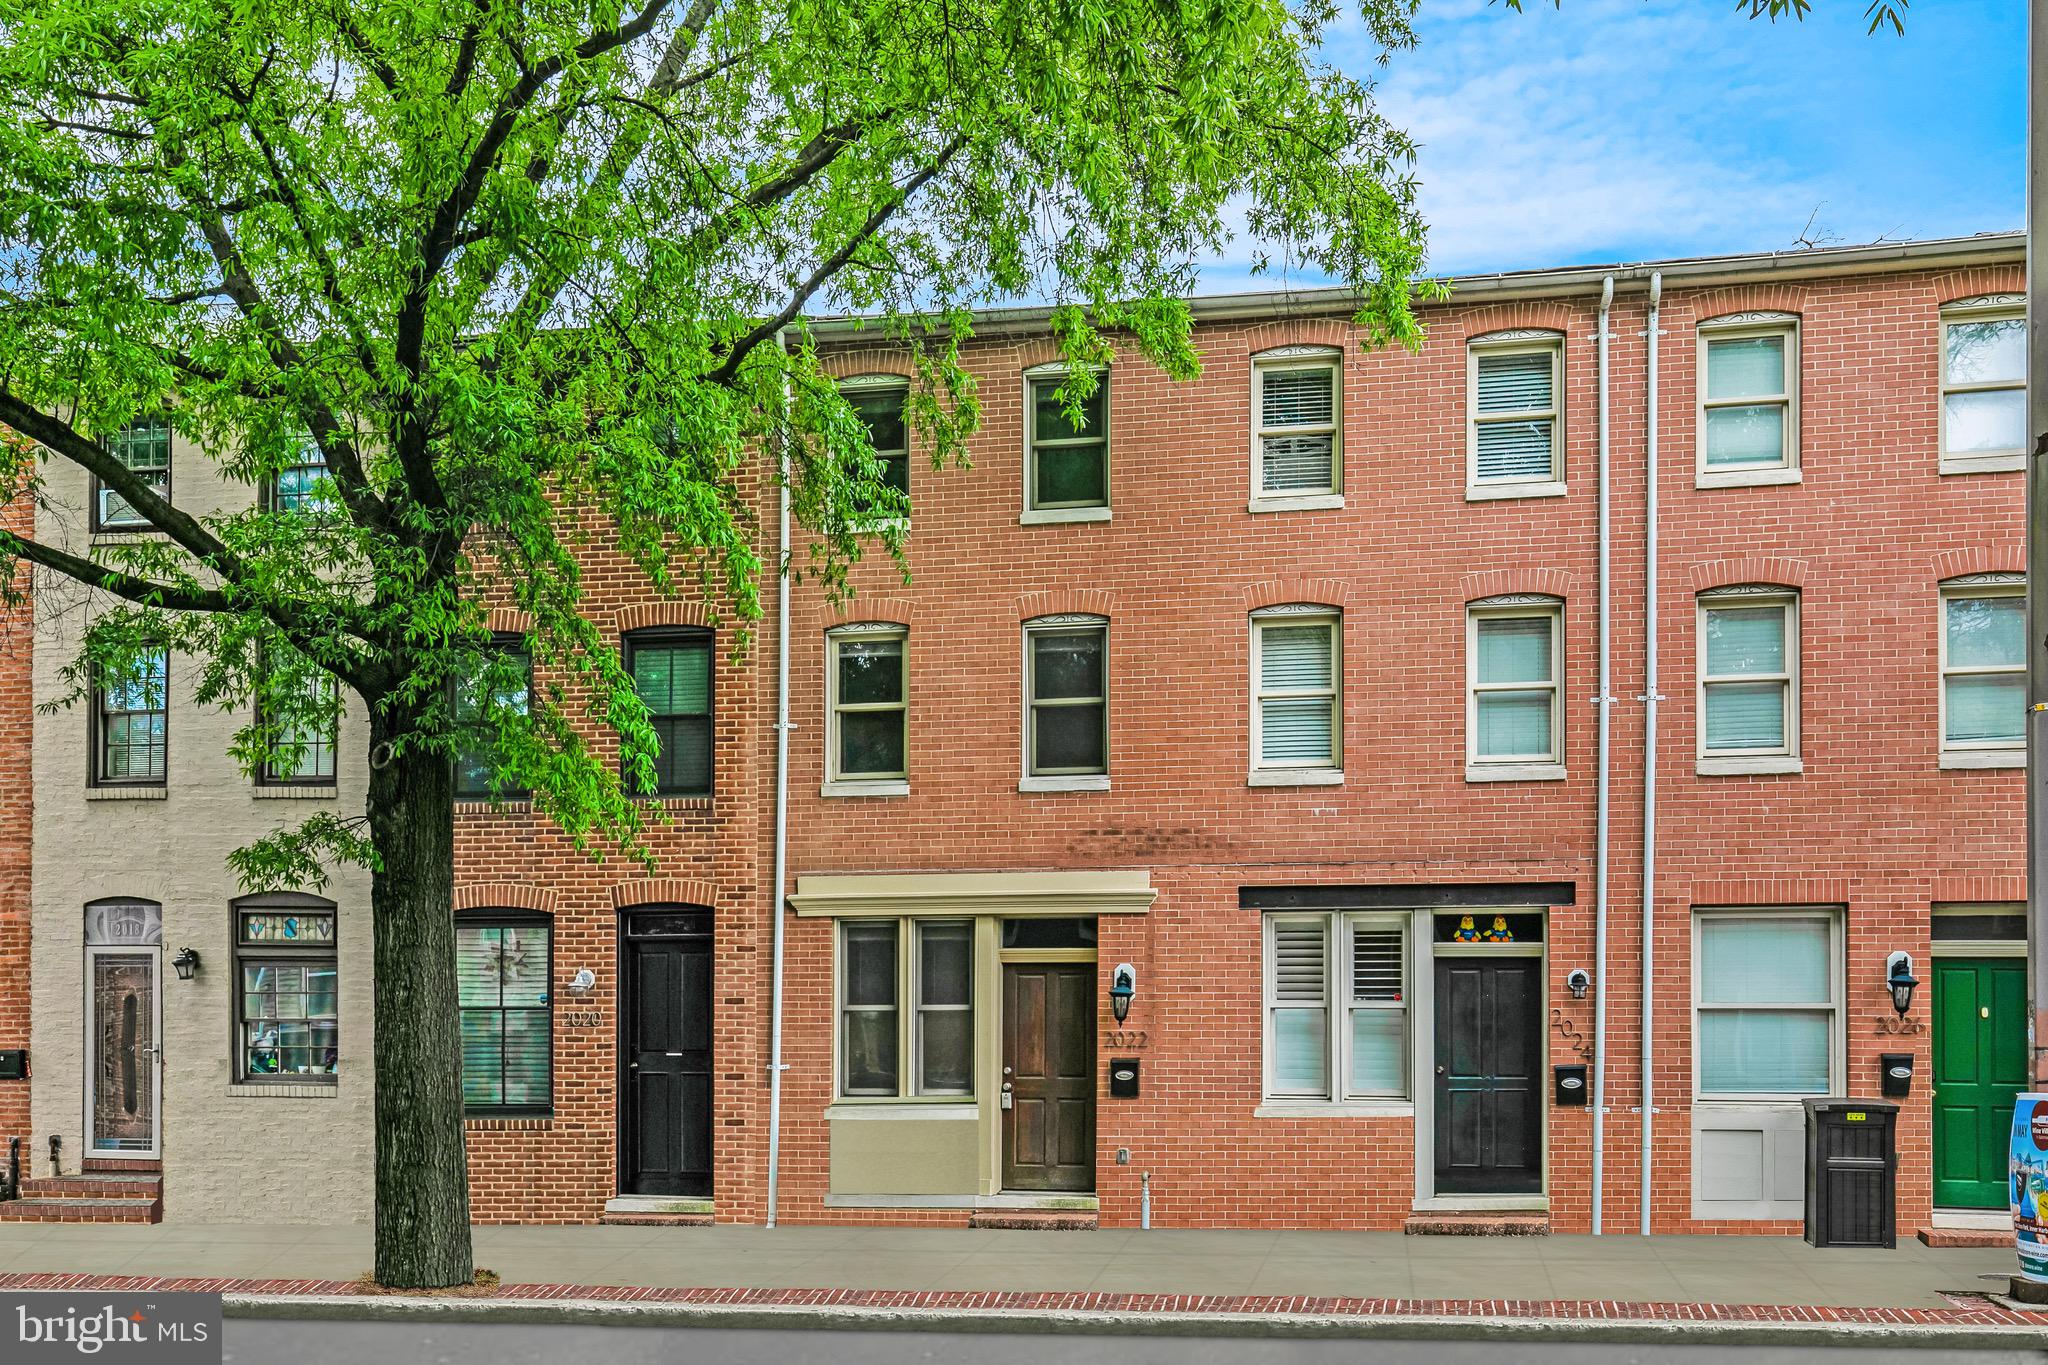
[775,907]
[1603,704]
[1650,700]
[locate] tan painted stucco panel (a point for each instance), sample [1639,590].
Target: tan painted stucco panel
[937,1152]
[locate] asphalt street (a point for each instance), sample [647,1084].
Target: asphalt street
[257,1342]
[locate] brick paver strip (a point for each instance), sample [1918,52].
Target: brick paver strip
[1984,1313]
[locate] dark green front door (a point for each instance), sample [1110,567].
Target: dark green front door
[1980,1063]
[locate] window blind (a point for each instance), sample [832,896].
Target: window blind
[1770,1052]
[1514,649]
[1987,632]
[1746,367]
[1376,967]
[1745,640]
[1746,715]
[1984,707]
[1295,659]
[501,975]
[1300,1016]
[1299,460]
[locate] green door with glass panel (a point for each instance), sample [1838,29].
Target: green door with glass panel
[1980,1063]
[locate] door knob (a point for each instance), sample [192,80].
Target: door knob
[1006,1085]
[1007,1070]
[1439,1071]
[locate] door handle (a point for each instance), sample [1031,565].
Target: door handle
[671,1054]
[1439,1071]
[1006,1085]
[632,1066]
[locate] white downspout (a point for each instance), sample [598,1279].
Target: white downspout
[1650,700]
[775,907]
[1604,703]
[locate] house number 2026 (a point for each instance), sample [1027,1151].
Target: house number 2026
[1127,1037]
[582,1019]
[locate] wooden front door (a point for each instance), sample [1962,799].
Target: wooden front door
[1049,1076]
[665,1014]
[1489,1081]
[123,1075]
[1980,1063]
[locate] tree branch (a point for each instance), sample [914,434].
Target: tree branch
[140,591]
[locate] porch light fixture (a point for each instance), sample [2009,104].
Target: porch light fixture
[185,963]
[1123,984]
[1578,981]
[1900,981]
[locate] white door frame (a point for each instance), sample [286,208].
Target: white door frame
[155,955]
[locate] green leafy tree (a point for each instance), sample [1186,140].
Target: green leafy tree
[513,274]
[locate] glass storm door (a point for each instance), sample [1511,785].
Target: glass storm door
[123,1080]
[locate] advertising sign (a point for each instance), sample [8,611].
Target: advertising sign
[2027,1183]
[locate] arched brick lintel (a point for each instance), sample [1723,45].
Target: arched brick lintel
[1280,592]
[866,360]
[1494,582]
[1065,602]
[895,611]
[648,615]
[505,896]
[508,621]
[1722,573]
[664,891]
[1540,315]
[1776,297]
[2009,557]
[1297,332]
[1956,285]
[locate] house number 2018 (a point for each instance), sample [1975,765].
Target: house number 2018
[1127,1037]
[582,1019]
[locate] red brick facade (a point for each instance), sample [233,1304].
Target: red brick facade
[17,718]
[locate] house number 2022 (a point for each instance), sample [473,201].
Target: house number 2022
[582,1019]
[1127,1037]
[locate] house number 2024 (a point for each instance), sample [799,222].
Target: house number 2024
[1127,1037]
[582,1019]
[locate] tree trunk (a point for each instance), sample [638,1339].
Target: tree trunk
[422,1203]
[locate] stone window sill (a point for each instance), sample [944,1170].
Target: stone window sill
[899,786]
[127,793]
[1077,782]
[1295,502]
[482,805]
[1514,772]
[1295,777]
[1984,758]
[296,792]
[1326,1109]
[486,1124]
[949,1107]
[1058,516]
[1742,765]
[1745,478]
[1494,492]
[1984,464]
[260,1090]
[664,802]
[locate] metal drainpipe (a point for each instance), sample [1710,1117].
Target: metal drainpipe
[1603,703]
[1650,700]
[775,908]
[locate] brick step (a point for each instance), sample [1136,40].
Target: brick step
[656,1220]
[1037,1220]
[1966,1237]
[93,1186]
[1477,1225]
[112,1166]
[81,1211]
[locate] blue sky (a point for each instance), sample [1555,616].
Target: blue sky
[1622,130]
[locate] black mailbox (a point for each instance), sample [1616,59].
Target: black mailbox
[14,1064]
[1852,1173]
[1895,1070]
[1568,1086]
[1123,1078]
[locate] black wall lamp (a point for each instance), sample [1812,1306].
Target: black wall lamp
[1123,984]
[185,963]
[1578,981]
[1900,981]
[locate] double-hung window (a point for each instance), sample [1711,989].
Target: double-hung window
[302,487]
[1066,695]
[868,693]
[1298,436]
[499,693]
[930,964]
[1066,466]
[1297,694]
[1515,447]
[131,723]
[1983,386]
[287,1010]
[879,403]
[1749,680]
[1767,1001]
[1336,1006]
[671,671]
[302,754]
[504,967]
[1749,400]
[145,449]
[1984,673]
[1515,711]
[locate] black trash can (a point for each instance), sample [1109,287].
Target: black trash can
[1852,1173]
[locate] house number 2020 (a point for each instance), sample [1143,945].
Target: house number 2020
[582,1019]
[1127,1037]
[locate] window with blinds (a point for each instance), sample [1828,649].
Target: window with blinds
[1514,412]
[1748,395]
[672,673]
[1336,1007]
[1984,668]
[1749,661]
[1514,710]
[131,722]
[1297,405]
[503,969]
[1296,684]
[1767,1009]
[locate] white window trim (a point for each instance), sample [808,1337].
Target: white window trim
[1520,767]
[863,784]
[1727,762]
[1337,1006]
[1264,499]
[2002,753]
[1548,486]
[1734,328]
[1835,1008]
[1297,772]
[909,1012]
[1035,514]
[1993,309]
[1028,779]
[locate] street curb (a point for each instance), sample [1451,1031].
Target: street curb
[598,1313]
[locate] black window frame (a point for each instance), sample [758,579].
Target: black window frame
[96,734]
[504,918]
[895,459]
[266,772]
[671,637]
[273,498]
[501,642]
[1052,628]
[244,952]
[99,524]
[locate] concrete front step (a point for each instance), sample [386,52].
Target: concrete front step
[1040,1220]
[655,1220]
[81,1211]
[1477,1225]
[96,1185]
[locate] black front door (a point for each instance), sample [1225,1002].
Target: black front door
[665,1019]
[1489,1096]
